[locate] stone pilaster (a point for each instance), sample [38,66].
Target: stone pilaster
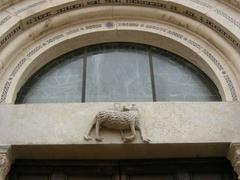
[234,157]
[5,161]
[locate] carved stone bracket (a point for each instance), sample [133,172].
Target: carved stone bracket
[5,161]
[234,156]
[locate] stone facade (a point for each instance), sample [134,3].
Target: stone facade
[205,32]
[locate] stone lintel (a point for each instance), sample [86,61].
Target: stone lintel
[234,157]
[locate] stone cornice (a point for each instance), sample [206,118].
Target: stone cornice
[234,157]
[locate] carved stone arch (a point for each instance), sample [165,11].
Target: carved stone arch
[179,34]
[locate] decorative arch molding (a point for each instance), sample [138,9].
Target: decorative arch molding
[20,15]
[50,36]
[164,36]
[7,3]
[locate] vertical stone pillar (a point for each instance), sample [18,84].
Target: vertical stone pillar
[234,157]
[5,161]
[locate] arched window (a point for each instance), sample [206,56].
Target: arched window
[118,72]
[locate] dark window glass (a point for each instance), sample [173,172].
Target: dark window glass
[178,80]
[118,72]
[59,81]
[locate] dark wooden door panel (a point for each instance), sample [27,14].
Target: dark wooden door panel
[88,178]
[152,177]
[207,176]
[178,169]
[33,177]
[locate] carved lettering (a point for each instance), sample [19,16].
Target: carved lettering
[72,31]
[94,2]
[195,44]
[178,35]
[147,3]
[93,26]
[213,59]
[38,18]
[4,20]
[231,87]
[221,31]
[156,28]
[5,91]
[19,65]
[69,8]
[130,24]
[229,18]
[113,1]
[35,50]
[49,41]
[10,35]
[189,13]
[173,8]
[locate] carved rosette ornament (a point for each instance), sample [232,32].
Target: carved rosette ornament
[120,118]
[234,157]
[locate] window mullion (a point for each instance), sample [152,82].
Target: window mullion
[84,75]
[152,74]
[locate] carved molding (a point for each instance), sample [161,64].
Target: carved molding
[234,157]
[5,161]
[234,3]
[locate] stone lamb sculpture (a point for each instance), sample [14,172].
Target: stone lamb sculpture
[118,119]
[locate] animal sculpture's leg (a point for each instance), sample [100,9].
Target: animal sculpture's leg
[98,137]
[143,136]
[133,136]
[123,135]
[87,137]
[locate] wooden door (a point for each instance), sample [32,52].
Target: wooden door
[177,169]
